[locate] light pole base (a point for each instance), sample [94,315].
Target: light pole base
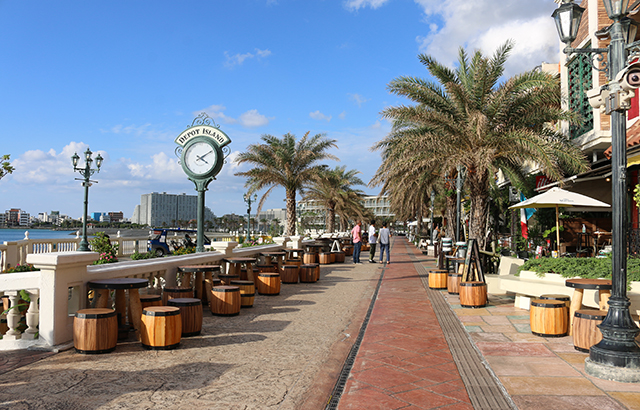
[613,373]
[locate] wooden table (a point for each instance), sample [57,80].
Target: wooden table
[269,255]
[120,285]
[603,286]
[291,251]
[203,273]
[234,265]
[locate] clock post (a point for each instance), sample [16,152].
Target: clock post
[202,149]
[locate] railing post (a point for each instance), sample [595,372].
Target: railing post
[32,316]
[13,317]
[59,272]
[12,254]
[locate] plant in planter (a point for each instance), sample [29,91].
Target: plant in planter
[102,244]
[21,268]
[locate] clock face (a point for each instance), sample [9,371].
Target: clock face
[200,158]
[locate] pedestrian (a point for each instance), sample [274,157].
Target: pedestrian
[373,239]
[383,239]
[436,234]
[356,234]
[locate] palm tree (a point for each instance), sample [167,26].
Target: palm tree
[467,118]
[333,189]
[287,163]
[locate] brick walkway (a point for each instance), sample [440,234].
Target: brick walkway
[404,361]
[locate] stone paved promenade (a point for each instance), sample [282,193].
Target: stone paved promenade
[420,350]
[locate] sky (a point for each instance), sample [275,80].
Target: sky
[125,78]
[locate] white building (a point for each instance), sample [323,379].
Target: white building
[156,209]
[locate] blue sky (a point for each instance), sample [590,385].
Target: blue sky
[126,77]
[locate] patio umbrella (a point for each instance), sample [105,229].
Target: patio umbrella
[556,198]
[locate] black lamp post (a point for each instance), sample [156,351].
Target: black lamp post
[86,173]
[617,356]
[247,198]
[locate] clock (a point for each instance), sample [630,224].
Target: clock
[200,159]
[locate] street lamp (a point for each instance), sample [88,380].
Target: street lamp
[86,173]
[247,198]
[617,356]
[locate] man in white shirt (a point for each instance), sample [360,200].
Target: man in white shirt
[373,240]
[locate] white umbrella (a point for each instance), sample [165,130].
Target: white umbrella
[556,198]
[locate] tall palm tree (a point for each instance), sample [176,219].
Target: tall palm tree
[332,188]
[287,163]
[468,118]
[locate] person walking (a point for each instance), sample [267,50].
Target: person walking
[383,238]
[356,234]
[373,239]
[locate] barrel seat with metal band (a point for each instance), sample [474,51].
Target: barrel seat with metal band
[453,283]
[247,292]
[175,292]
[339,256]
[307,273]
[437,280]
[602,286]
[293,261]
[585,328]
[268,283]
[473,294]
[191,315]
[309,257]
[289,274]
[95,331]
[226,278]
[161,327]
[225,301]
[548,318]
[324,258]
[348,250]
[150,300]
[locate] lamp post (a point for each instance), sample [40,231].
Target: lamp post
[247,198]
[86,173]
[617,356]
[433,198]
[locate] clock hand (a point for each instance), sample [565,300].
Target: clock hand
[206,154]
[202,158]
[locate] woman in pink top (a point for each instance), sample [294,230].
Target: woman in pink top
[356,234]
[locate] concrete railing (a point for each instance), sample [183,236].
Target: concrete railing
[59,288]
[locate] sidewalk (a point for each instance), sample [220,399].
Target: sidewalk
[405,363]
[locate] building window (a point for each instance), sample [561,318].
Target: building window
[580,75]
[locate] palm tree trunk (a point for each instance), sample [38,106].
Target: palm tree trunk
[331,219]
[479,195]
[290,229]
[450,215]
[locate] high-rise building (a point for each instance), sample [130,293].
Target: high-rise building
[157,209]
[17,217]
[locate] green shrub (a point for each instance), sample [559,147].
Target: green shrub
[145,255]
[102,244]
[21,268]
[588,268]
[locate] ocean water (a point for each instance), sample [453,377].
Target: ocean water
[7,235]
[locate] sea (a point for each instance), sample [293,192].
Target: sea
[7,235]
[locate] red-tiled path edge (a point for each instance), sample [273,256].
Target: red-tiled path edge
[404,361]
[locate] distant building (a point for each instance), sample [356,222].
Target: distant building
[116,216]
[164,209]
[380,206]
[17,217]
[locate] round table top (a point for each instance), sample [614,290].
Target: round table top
[119,283]
[240,260]
[198,268]
[604,284]
[272,253]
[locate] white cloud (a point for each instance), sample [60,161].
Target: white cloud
[317,115]
[355,5]
[486,24]
[239,59]
[342,115]
[358,99]
[216,112]
[253,119]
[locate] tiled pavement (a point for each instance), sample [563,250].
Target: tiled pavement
[404,361]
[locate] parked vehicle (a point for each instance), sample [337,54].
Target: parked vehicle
[165,241]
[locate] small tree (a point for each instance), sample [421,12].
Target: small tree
[5,166]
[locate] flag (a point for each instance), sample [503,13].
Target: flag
[525,214]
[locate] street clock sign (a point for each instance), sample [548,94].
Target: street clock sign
[202,149]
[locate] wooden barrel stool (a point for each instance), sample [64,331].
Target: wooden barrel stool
[309,257]
[175,293]
[549,318]
[308,273]
[585,329]
[226,278]
[289,274]
[294,261]
[332,257]
[566,299]
[473,294]
[95,331]
[268,284]
[247,292]
[453,283]
[267,268]
[339,256]
[161,327]
[225,300]
[191,315]
[437,280]
[324,258]
[150,300]
[216,282]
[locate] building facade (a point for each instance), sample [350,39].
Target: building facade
[162,209]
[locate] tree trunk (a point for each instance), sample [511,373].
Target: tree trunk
[290,229]
[331,219]
[450,215]
[479,195]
